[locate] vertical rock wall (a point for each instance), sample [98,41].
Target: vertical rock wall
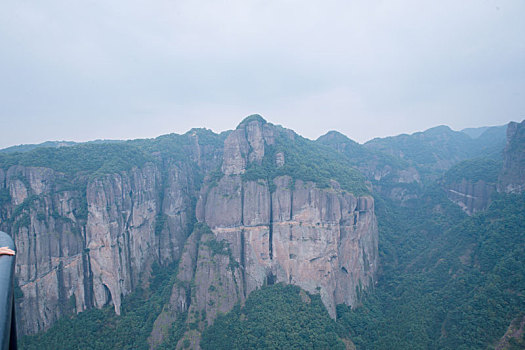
[270,231]
[87,243]
[323,240]
[471,197]
[512,177]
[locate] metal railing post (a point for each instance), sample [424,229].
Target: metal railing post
[7,275]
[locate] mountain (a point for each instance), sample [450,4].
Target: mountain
[205,240]
[397,167]
[90,220]
[490,143]
[438,148]
[374,165]
[254,206]
[51,144]
[475,132]
[389,175]
[270,217]
[30,147]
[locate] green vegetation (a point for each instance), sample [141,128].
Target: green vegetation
[439,147]
[474,170]
[251,118]
[176,331]
[160,222]
[490,143]
[218,247]
[308,161]
[30,147]
[358,155]
[448,281]
[112,157]
[275,317]
[85,158]
[426,148]
[103,329]
[179,147]
[5,197]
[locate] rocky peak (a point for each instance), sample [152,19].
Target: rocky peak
[340,142]
[334,135]
[512,177]
[246,144]
[438,130]
[252,118]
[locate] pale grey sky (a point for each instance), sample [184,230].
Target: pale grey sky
[83,70]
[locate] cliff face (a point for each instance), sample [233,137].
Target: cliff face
[472,197]
[88,239]
[133,220]
[281,230]
[50,260]
[269,231]
[512,177]
[89,246]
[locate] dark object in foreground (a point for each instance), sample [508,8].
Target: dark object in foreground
[7,310]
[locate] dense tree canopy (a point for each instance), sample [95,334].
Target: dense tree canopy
[448,282]
[275,317]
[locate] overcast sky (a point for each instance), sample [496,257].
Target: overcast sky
[84,70]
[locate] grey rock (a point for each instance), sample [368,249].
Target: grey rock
[471,197]
[512,177]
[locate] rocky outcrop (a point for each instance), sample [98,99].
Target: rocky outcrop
[512,177]
[514,334]
[50,252]
[87,243]
[268,231]
[180,297]
[321,240]
[87,236]
[472,197]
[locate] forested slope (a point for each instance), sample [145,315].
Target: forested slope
[448,281]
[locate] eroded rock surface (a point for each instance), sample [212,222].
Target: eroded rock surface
[471,197]
[269,231]
[90,245]
[88,241]
[512,177]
